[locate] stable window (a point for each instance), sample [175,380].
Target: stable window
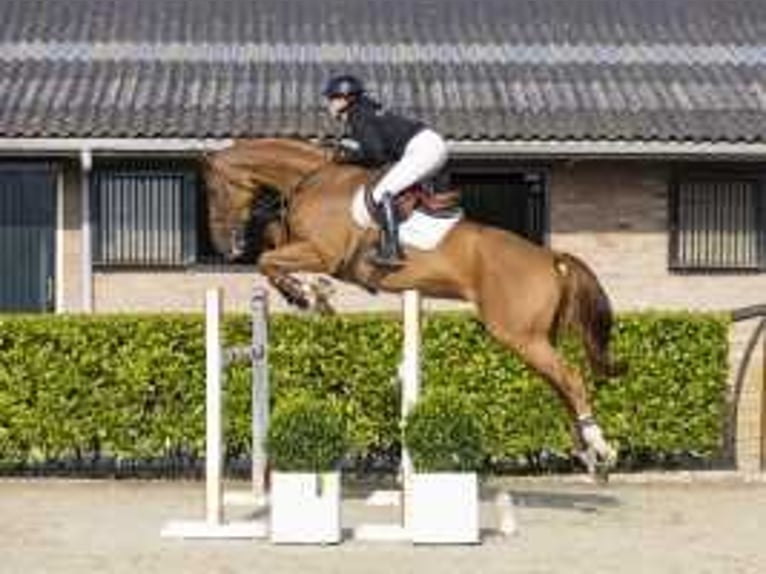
[144,216]
[510,198]
[718,223]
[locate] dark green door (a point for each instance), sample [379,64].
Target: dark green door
[27,237]
[512,200]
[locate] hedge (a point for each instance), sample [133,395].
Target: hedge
[132,387]
[306,434]
[443,433]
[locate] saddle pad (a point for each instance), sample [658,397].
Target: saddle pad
[420,231]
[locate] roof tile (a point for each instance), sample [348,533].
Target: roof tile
[476,69]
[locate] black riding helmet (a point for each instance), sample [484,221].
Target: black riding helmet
[343,85]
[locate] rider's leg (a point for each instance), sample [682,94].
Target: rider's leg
[425,154]
[389,252]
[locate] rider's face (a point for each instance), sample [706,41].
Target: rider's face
[337,106]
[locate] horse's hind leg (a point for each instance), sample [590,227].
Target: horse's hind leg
[538,353]
[593,449]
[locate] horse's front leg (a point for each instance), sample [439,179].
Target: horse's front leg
[279,264]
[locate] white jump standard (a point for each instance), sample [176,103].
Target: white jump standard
[419,526]
[409,375]
[216,359]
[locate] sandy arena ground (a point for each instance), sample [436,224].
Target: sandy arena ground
[564,526]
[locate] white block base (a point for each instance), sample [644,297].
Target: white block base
[445,508]
[200,529]
[305,508]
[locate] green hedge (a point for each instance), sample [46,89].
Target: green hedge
[443,433]
[132,387]
[306,434]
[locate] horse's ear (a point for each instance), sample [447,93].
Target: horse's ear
[210,162]
[208,171]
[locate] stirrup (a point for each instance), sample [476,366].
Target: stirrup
[386,254]
[388,262]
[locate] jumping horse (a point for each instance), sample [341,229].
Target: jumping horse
[524,293]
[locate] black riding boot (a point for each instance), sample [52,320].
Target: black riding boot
[389,252]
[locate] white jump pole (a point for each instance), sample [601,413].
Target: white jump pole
[409,378]
[257,355]
[214,525]
[260,392]
[213,407]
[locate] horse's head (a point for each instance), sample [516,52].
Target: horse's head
[239,176]
[231,194]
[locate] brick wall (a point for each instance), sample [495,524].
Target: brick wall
[615,217]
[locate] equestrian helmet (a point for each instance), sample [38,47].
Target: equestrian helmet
[343,85]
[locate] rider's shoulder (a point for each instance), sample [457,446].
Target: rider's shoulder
[368,106]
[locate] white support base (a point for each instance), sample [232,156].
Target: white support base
[196,529]
[506,515]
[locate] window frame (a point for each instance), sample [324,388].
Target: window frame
[711,174]
[189,228]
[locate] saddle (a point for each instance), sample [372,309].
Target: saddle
[433,197]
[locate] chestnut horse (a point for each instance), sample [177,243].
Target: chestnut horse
[524,293]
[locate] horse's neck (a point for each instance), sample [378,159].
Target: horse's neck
[281,164]
[287,165]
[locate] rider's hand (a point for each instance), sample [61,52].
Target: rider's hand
[345,150]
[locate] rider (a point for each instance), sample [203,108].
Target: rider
[374,137]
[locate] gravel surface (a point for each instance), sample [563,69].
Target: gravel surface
[564,526]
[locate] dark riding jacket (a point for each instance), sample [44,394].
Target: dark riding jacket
[374,137]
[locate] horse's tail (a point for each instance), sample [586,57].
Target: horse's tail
[586,308]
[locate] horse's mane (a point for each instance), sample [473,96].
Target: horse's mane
[282,145]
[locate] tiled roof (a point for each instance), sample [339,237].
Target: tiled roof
[476,69]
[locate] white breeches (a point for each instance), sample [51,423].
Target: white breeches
[425,154]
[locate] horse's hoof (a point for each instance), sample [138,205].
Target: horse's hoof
[588,459]
[601,473]
[320,292]
[326,309]
[299,301]
[597,467]
[604,465]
